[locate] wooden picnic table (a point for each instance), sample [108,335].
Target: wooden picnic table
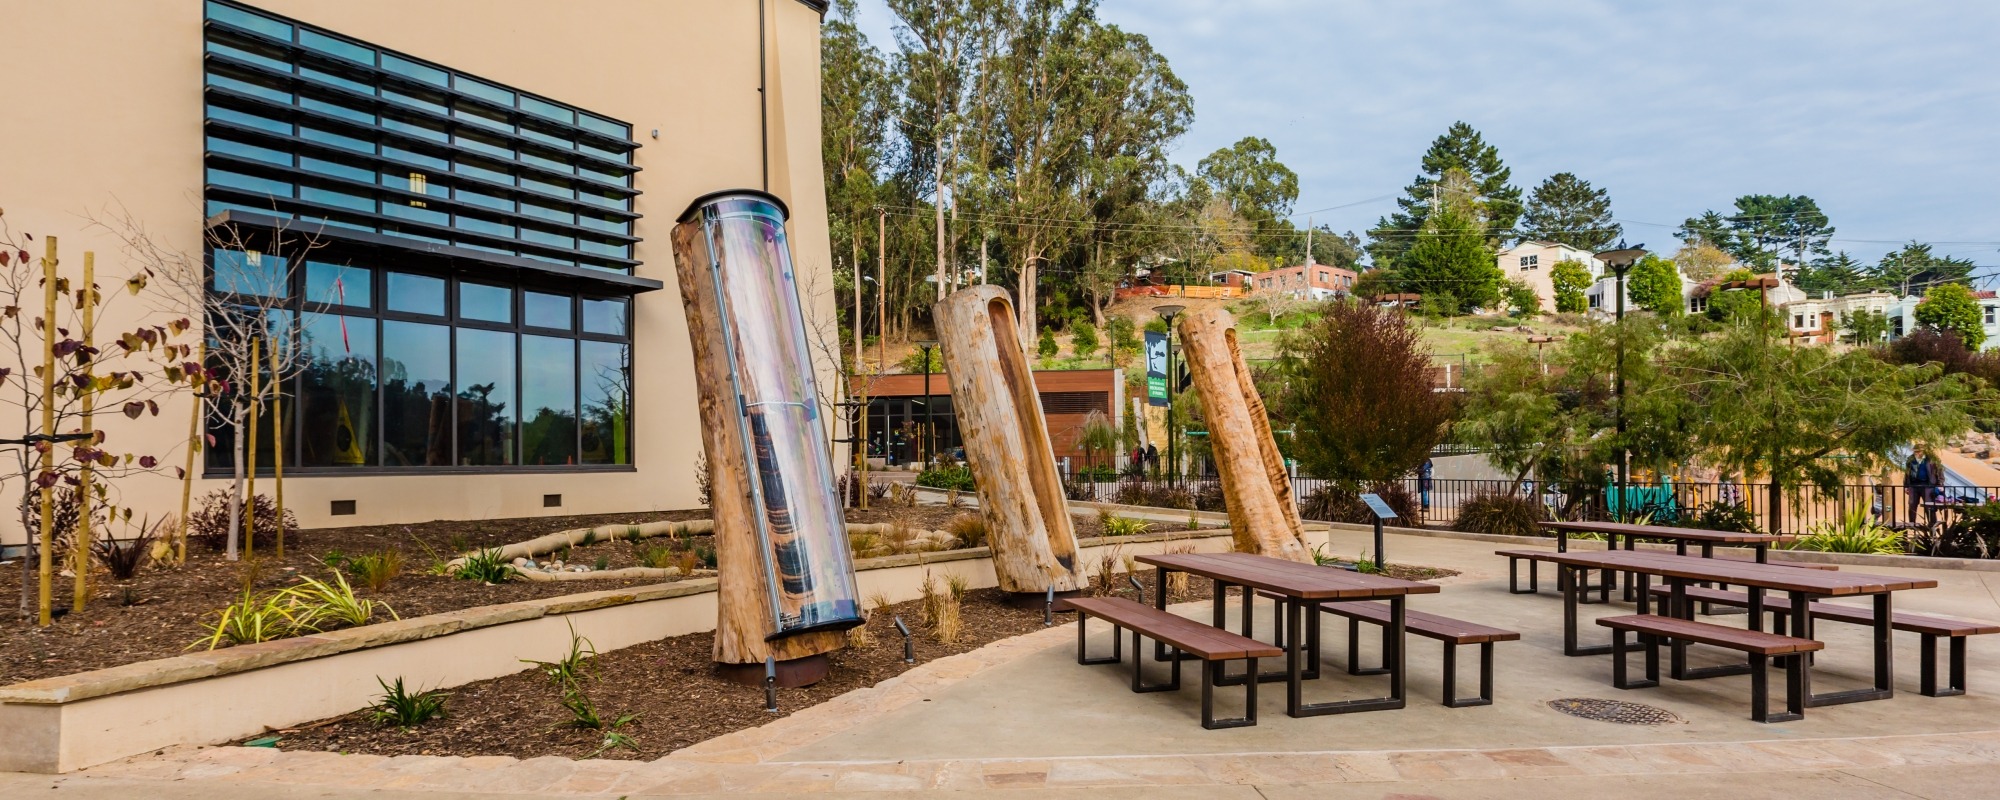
[1681,537]
[1305,588]
[1803,585]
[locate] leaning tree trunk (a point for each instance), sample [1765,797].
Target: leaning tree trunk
[1007,443]
[1263,517]
[744,613]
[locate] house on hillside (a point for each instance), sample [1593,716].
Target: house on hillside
[1531,261]
[1308,281]
[1239,278]
[1903,316]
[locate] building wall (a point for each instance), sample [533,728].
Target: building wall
[1536,275]
[108,123]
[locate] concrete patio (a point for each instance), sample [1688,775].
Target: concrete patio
[1022,715]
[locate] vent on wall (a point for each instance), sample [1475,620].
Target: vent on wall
[552,501]
[342,508]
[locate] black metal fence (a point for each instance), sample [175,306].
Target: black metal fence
[1715,504]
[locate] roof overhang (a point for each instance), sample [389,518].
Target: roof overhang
[279,233]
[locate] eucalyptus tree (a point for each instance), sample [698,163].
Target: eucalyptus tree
[1135,108]
[937,65]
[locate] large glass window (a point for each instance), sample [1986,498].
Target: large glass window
[416,394]
[488,147]
[485,397]
[499,377]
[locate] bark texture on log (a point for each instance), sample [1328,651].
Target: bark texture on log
[1263,516]
[744,615]
[1007,443]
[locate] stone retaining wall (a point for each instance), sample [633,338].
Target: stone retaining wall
[75,721]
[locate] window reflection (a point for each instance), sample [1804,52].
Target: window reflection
[337,391]
[416,394]
[606,384]
[548,400]
[485,398]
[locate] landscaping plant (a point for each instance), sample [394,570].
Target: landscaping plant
[1500,514]
[253,619]
[485,566]
[376,570]
[947,477]
[1856,532]
[405,709]
[1115,525]
[320,600]
[970,530]
[124,557]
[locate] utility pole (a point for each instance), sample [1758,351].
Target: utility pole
[984,237]
[882,289]
[1309,245]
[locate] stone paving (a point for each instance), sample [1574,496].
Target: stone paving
[1012,716]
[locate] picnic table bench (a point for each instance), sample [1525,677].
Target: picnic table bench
[1760,543]
[1212,646]
[1930,628]
[1304,587]
[1759,645]
[1802,585]
[1452,632]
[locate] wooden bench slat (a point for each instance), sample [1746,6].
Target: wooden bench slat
[1207,642]
[1424,624]
[1757,642]
[1900,620]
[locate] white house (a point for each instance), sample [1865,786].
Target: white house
[1903,317]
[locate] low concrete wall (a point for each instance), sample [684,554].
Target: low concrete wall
[75,721]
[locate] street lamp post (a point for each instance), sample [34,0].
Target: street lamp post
[1620,260]
[1168,313]
[926,345]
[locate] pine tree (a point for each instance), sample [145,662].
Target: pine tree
[1450,257]
[1461,148]
[1913,269]
[1567,210]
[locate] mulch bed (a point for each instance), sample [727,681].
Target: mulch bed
[672,686]
[159,612]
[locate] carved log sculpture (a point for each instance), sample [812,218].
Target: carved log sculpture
[1007,444]
[785,574]
[1263,517]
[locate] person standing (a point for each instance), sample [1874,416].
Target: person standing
[1914,479]
[1153,459]
[1934,476]
[1424,484]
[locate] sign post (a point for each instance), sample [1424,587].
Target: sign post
[1381,511]
[1156,368]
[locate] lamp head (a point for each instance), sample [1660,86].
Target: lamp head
[1622,257]
[1169,312]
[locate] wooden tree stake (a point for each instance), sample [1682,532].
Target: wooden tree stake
[277,452]
[81,561]
[250,458]
[194,446]
[1007,443]
[46,598]
[1263,517]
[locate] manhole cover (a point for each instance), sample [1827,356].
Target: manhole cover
[1617,711]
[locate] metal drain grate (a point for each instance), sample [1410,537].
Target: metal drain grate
[1616,711]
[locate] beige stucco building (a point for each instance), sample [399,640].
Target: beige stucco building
[1532,260]
[491,318]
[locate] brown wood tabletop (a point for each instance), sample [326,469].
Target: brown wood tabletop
[1740,573]
[1289,578]
[1667,532]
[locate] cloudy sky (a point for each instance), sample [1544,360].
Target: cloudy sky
[1888,114]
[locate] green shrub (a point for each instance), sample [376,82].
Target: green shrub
[403,709]
[1337,503]
[1721,516]
[1140,492]
[1501,514]
[1115,525]
[1856,532]
[254,618]
[318,600]
[950,477]
[657,556]
[485,566]
[376,570]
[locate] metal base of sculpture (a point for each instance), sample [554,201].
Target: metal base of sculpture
[791,674]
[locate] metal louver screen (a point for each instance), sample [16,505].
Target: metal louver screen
[1075,402]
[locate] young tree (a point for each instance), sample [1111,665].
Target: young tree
[1046,346]
[1451,257]
[1952,307]
[1700,260]
[61,372]
[1357,390]
[1570,279]
[1521,298]
[1083,339]
[1865,327]
[1799,415]
[1459,149]
[1566,209]
[1656,286]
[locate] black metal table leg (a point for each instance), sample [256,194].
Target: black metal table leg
[1296,633]
[1885,666]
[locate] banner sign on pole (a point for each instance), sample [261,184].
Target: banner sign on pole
[1156,368]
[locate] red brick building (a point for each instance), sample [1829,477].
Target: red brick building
[896,411]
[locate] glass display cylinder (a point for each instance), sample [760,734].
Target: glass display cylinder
[797,507]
